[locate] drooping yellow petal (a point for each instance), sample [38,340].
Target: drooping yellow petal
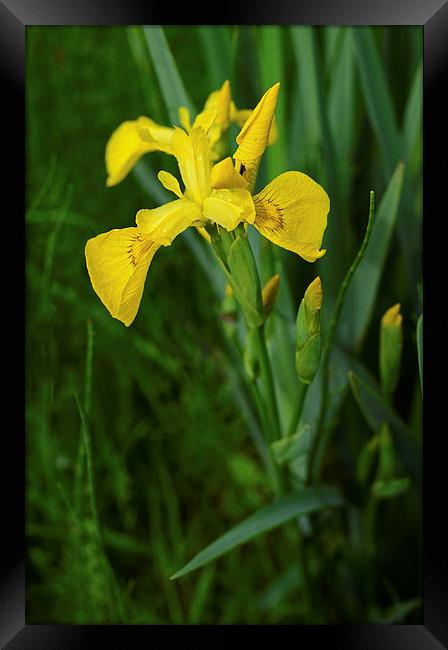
[228,208]
[225,176]
[192,153]
[170,183]
[292,211]
[164,223]
[126,145]
[118,262]
[254,136]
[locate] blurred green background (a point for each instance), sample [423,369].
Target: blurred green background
[165,415]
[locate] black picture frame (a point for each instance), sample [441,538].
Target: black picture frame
[15,15]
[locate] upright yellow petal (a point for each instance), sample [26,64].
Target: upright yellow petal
[292,211]
[228,208]
[164,223]
[220,101]
[254,136]
[241,116]
[225,176]
[118,262]
[126,145]
[192,153]
[184,118]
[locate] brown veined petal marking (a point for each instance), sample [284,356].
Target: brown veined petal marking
[118,262]
[292,211]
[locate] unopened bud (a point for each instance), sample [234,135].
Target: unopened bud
[269,294]
[245,281]
[391,343]
[308,341]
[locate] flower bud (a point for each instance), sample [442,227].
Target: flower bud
[269,294]
[245,280]
[391,343]
[308,341]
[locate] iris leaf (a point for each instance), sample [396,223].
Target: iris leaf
[267,518]
[377,411]
[170,81]
[363,290]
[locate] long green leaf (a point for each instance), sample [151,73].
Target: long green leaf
[377,96]
[420,348]
[310,134]
[309,69]
[342,101]
[171,84]
[216,42]
[376,412]
[362,293]
[271,516]
[272,70]
[413,113]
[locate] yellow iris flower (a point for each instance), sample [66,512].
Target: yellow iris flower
[129,142]
[291,211]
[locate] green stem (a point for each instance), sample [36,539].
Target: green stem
[323,434]
[298,407]
[307,591]
[268,381]
[370,518]
[267,378]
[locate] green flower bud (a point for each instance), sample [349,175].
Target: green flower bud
[307,359]
[245,280]
[269,294]
[391,343]
[308,341]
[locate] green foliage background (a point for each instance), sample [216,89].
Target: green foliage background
[166,417]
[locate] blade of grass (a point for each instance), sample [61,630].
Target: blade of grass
[86,402]
[89,465]
[201,593]
[267,518]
